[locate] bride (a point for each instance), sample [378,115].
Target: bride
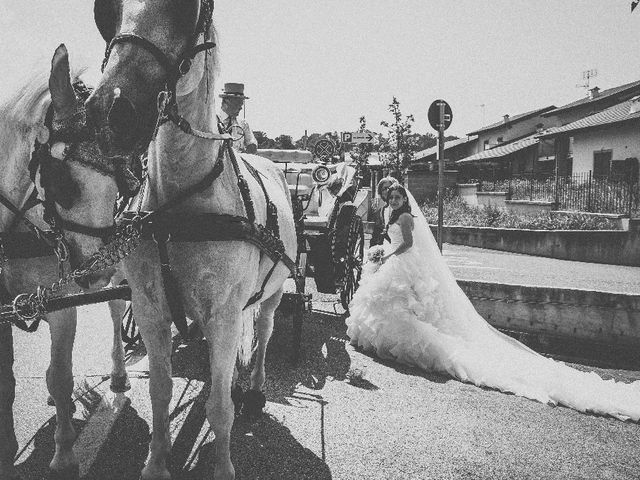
[410,309]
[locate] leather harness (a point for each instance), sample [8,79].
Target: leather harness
[162,227]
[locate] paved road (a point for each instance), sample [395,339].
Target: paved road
[470,263]
[338,414]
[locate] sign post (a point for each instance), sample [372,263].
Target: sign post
[357,137]
[440,117]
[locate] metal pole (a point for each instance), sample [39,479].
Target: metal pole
[440,174]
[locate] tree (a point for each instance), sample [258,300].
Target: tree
[360,152]
[263,140]
[284,142]
[400,146]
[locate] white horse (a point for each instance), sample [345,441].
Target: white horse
[215,279]
[22,121]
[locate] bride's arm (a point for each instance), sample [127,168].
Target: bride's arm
[406,227]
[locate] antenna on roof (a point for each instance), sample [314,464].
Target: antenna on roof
[586,76]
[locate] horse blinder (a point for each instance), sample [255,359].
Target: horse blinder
[57,181]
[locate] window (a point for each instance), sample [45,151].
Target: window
[500,139]
[486,144]
[602,163]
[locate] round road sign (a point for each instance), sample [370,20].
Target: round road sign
[324,149]
[434,115]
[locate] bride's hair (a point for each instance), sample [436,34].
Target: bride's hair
[395,214]
[406,208]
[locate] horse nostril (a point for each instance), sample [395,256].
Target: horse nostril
[122,117]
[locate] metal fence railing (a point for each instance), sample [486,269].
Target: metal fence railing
[581,191]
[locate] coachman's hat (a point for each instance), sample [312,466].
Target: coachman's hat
[233,90]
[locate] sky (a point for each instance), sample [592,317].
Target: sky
[321,65]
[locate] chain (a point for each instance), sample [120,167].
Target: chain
[31,306]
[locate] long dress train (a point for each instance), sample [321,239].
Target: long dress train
[410,309]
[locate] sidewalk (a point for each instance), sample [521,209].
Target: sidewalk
[483,265]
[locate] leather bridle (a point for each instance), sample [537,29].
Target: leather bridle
[79,146]
[179,68]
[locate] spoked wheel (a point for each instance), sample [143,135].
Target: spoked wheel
[353,267]
[347,250]
[130,333]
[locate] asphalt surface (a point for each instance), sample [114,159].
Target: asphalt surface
[469,263]
[338,413]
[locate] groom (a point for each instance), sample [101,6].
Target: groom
[381,215]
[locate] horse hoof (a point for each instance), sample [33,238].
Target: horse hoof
[253,402]
[70,473]
[52,403]
[237,395]
[120,383]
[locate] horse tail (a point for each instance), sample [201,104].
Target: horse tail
[247,344]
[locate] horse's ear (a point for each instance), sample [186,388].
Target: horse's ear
[62,96]
[105,13]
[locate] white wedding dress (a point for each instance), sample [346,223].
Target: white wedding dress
[411,310]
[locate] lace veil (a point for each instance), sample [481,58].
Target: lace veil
[462,318]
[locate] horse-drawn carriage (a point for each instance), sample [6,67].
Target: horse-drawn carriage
[329,223]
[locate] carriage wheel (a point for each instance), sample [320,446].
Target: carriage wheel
[347,251]
[130,333]
[353,267]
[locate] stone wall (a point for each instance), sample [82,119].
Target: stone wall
[615,247]
[598,318]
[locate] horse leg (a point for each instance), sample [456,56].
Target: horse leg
[222,332]
[236,391]
[254,399]
[119,379]
[155,328]
[8,442]
[62,326]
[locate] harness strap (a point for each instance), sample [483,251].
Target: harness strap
[31,202]
[171,288]
[19,216]
[272,210]
[258,295]
[243,186]
[203,184]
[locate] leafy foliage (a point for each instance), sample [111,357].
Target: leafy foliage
[400,145]
[457,212]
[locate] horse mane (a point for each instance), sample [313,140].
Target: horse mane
[212,67]
[23,111]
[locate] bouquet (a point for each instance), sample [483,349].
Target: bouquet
[375,254]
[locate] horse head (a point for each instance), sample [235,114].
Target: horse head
[81,185]
[150,45]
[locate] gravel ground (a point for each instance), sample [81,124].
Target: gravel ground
[343,414]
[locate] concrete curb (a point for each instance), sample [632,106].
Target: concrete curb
[582,317]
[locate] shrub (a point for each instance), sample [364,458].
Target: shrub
[457,212]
